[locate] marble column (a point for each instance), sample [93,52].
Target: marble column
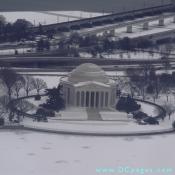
[145,26]
[161,21]
[129,29]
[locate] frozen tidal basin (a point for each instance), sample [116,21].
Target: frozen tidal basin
[31,153]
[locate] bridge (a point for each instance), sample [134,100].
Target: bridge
[129,24]
[113,18]
[60,15]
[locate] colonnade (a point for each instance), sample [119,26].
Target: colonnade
[92,99]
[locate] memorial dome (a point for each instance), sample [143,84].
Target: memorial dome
[88,72]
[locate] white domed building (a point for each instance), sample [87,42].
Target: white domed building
[88,86]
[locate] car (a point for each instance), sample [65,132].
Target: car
[141,122]
[139,115]
[151,121]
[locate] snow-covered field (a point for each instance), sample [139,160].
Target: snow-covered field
[149,109]
[12,51]
[47,17]
[30,153]
[133,55]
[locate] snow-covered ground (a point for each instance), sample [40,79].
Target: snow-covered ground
[12,51]
[47,17]
[99,127]
[124,55]
[148,109]
[133,55]
[30,153]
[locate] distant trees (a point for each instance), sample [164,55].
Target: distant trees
[4,100]
[143,43]
[14,83]
[2,24]
[29,84]
[2,121]
[21,29]
[18,86]
[144,79]
[40,29]
[125,44]
[169,108]
[14,31]
[39,84]
[41,115]
[43,45]
[9,77]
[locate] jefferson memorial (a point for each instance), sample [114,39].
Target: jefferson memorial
[88,86]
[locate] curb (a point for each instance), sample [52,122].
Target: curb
[78,133]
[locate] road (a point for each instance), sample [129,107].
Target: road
[71,62]
[110,27]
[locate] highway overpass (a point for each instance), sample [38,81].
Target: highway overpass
[106,19]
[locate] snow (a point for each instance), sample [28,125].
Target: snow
[148,109]
[33,153]
[133,56]
[80,14]
[110,115]
[52,81]
[116,127]
[125,55]
[12,51]
[72,114]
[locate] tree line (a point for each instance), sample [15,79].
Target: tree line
[14,85]
[14,31]
[145,81]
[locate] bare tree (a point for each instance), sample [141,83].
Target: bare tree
[166,60]
[137,78]
[4,106]
[170,109]
[29,84]
[39,84]
[4,100]
[2,19]
[9,78]
[19,84]
[24,106]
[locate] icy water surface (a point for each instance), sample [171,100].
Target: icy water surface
[50,154]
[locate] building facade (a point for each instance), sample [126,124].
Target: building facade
[88,86]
